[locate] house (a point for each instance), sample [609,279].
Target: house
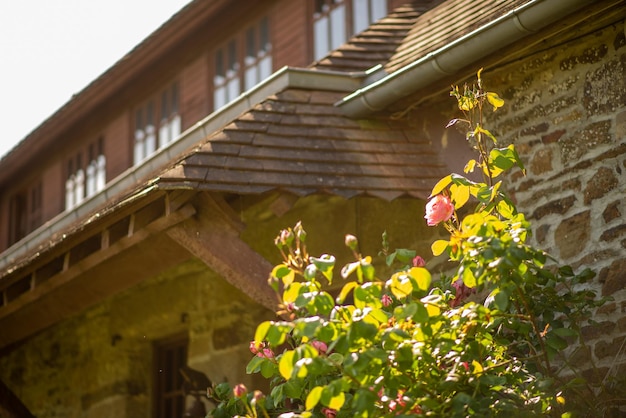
[141,243]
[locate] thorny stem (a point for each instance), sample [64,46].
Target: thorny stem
[533,322]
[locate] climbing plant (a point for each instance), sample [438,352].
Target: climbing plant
[493,337]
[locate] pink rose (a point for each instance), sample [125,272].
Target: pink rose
[462,292]
[320,346]
[329,412]
[240,390]
[386,300]
[438,209]
[267,353]
[418,261]
[253,348]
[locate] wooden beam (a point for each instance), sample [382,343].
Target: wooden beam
[69,273]
[213,237]
[10,405]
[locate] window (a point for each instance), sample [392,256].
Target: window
[148,135]
[332,25]
[25,212]
[170,356]
[244,60]
[85,181]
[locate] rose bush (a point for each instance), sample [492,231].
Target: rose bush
[492,338]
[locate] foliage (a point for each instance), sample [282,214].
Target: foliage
[493,339]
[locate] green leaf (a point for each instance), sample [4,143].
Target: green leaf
[439,246]
[348,269]
[255,364]
[283,272]
[565,332]
[325,264]
[501,300]
[400,285]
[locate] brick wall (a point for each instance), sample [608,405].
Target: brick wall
[566,113]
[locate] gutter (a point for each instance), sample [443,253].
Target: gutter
[449,59]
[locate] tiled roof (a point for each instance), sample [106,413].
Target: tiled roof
[376,44]
[443,24]
[297,141]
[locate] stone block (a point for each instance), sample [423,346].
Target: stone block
[541,162]
[559,207]
[576,145]
[613,233]
[588,56]
[602,182]
[611,212]
[605,88]
[609,348]
[572,234]
[613,278]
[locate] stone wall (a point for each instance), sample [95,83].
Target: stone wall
[565,111]
[99,364]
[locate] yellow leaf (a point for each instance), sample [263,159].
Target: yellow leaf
[477,367]
[469,167]
[441,184]
[313,398]
[336,402]
[459,195]
[495,100]
[421,276]
[560,400]
[285,366]
[439,246]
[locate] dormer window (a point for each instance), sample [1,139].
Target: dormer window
[334,21]
[242,63]
[85,179]
[157,123]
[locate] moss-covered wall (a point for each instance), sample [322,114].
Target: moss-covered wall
[99,363]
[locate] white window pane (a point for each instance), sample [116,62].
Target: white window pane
[79,187]
[233,89]
[338,26]
[69,193]
[379,9]
[265,68]
[150,143]
[322,42]
[219,97]
[91,178]
[175,127]
[100,172]
[139,140]
[164,134]
[251,78]
[360,15]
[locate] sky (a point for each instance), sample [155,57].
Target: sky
[50,50]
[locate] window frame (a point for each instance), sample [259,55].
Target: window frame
[322,11]
[161,391]
[155,122]
[238,66]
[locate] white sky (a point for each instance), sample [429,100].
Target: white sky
[52,49]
